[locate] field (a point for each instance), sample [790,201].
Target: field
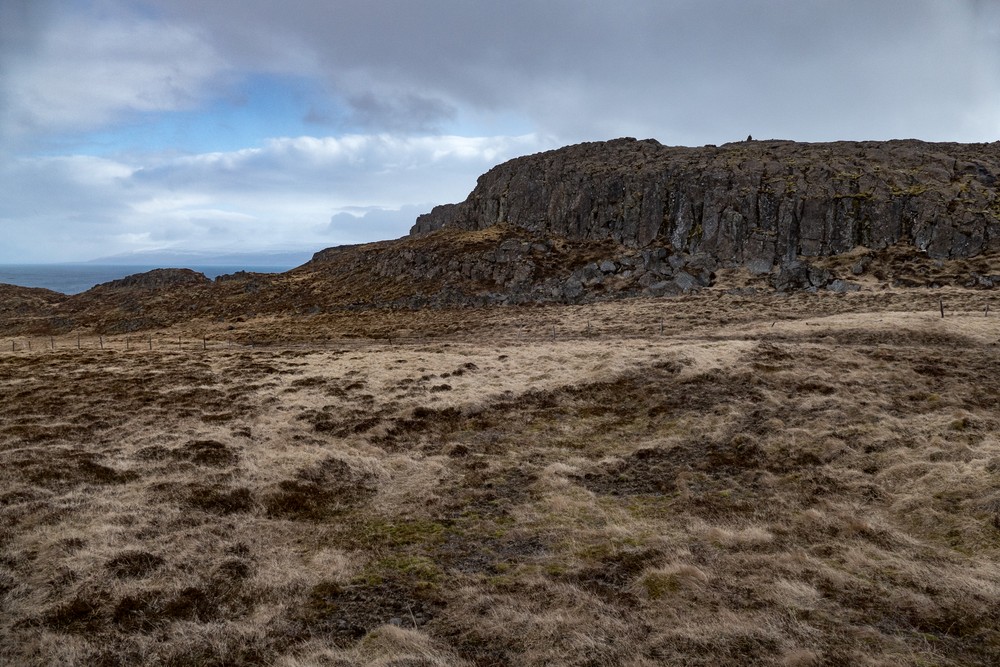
[708,480]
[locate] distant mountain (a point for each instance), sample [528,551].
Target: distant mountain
[185,259]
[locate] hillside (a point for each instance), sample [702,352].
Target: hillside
[509,440]
[785,480]
[753,203]
[616,219]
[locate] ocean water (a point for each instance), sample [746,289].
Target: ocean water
[76,278]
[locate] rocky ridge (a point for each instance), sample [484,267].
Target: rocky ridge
[767,206]
[611,220]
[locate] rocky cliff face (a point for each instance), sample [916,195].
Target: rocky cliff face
[756,204]
[611,220]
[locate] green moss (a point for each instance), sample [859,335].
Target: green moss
[376,532]
[960,424]
[420,572]
[556,569]
[659,585]
[695,234]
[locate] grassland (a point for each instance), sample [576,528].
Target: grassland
[709,480]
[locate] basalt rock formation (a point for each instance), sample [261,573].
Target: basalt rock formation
[763,205]
[610,220]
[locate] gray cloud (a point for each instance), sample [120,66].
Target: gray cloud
[684,71]
[690,70]
[402,80]
[407,112]
[22,23]
[84,72]
[276,195]
[361,224]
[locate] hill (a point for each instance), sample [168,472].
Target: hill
[753,203]
[617,219]
[371,460]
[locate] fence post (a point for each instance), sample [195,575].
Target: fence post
[941,304]
[150,339]
[78,341]
[204,342]
[101,341]
[29,345]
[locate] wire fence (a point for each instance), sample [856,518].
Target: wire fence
[150,343]
[516,332]
[123,343]
[214,343]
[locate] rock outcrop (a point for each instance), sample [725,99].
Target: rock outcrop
[157,279]
[612,220]
[763,205]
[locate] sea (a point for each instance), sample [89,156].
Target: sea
[76,278]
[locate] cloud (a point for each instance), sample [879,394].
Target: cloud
[419,98]
[686,71]
[280,195]
[85,72]
[352,170]
[362,224]
[406,112]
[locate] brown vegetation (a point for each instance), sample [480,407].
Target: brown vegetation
[806,479]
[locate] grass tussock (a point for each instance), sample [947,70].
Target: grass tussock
[755,485]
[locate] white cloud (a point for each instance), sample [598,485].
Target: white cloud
[362,224]
[301,192]
[355,170]
[85,72]
[405,78]
[685,71]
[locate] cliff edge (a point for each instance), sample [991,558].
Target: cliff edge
[756,204]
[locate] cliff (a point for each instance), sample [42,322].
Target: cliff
[756,204]
[612,220]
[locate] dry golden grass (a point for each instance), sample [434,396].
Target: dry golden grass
[776,480]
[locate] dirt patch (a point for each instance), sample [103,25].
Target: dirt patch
[61,468]
[132,564]
[345,613]
[319,491]
[209,453]
[216,500]
[655,470]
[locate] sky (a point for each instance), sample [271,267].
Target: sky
[275,125]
